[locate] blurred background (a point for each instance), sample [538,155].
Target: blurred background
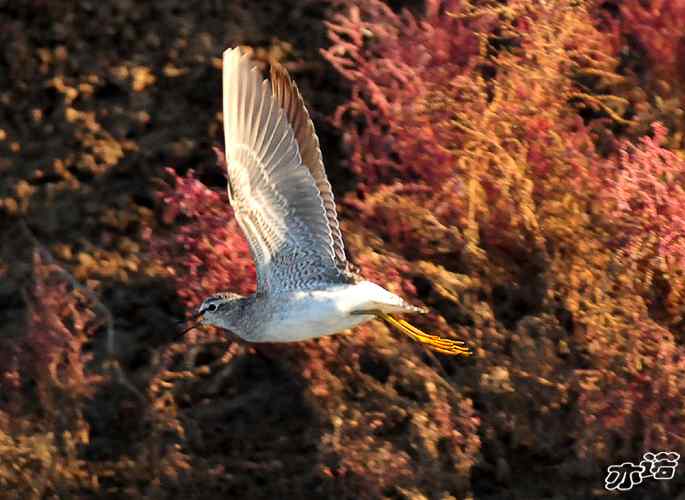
[516,166]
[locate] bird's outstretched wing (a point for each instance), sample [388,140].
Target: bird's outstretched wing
[288,97]
[275,198]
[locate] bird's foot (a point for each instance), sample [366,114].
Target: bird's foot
[436,343]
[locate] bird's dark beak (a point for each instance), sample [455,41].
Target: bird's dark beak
[185,325]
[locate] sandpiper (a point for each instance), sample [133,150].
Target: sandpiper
[284,206]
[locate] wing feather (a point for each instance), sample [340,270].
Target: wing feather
[289,98]
[276,198]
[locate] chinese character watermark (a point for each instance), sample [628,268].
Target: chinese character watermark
[659,466]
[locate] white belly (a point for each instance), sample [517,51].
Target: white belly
[311,314]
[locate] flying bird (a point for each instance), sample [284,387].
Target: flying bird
[284,205]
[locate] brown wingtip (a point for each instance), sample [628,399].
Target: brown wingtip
[279,72]
[220,156]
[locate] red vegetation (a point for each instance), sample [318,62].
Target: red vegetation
[490,164]
[45,381]
[633,390]
[207,252]
[647,188]
[478,142]
[62,322]
[480,170]
[391,81]
[657,25]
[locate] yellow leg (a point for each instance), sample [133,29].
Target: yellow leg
[439,344]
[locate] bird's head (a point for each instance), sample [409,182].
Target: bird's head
[220,309]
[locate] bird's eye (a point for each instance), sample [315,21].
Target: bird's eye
[211,307]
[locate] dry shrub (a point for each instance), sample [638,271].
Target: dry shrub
[495,186]
[46,385]
[657,26]
[645,187]
[207,252]
[629,398]
[479,133]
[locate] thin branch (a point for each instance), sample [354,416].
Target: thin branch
[112,362]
